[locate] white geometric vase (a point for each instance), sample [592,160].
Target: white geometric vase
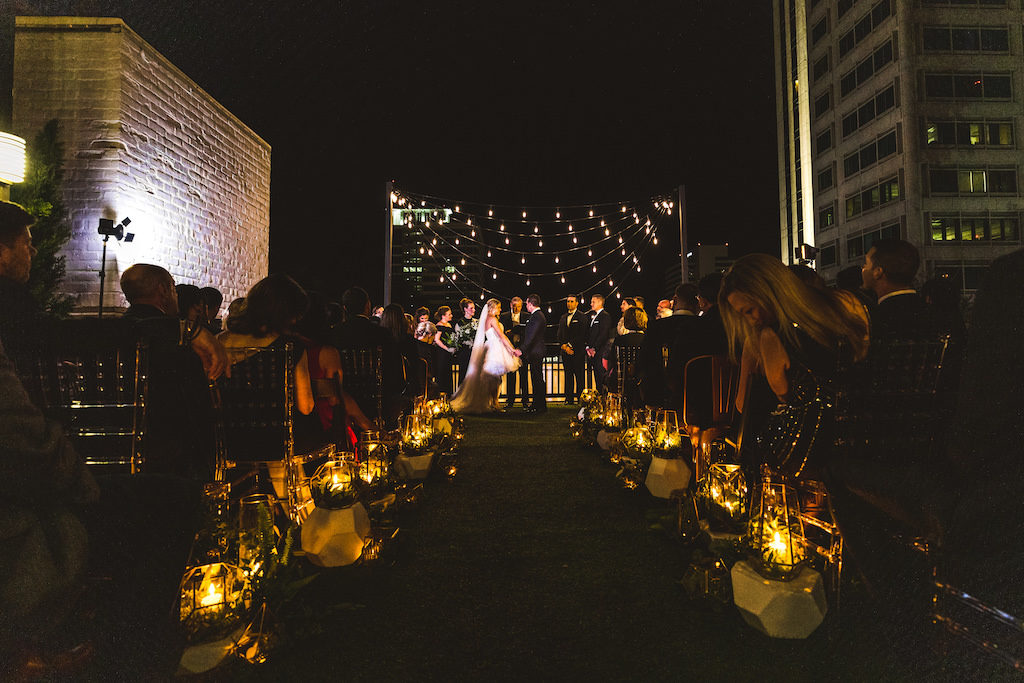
[604,439]
[414,467]
[335,538]
[780,609]
[666,475]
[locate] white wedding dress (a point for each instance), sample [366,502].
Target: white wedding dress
[488,363]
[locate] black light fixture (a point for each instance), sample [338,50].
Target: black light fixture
[108,230]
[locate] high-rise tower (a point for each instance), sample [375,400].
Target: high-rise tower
[900,118]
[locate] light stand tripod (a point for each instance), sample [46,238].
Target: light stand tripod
[108,230]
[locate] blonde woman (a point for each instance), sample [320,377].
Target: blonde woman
[493,355]
[789,337]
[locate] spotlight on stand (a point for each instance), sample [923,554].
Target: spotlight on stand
[108,230]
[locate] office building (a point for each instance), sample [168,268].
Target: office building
[900,118]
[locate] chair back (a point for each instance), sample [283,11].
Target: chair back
[627,359]
[896,398]
[91,376]
[361,376]
[710,384]
[254,406]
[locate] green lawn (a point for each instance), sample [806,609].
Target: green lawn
[535,564]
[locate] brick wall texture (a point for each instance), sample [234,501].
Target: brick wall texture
[142,141]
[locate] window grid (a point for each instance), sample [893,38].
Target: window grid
[870,154]
[966,39]
[982,133]
[863,72]
[957,228]
[967,86]
[870,109]
[959,181]
[864,26]
[873,197]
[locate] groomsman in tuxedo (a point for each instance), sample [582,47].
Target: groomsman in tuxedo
[464,351]
[532,349]
[598,336]
[572,339]
[514,323]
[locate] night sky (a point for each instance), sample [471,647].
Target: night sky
[536,103]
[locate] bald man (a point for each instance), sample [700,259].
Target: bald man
[182,361]
[150,293]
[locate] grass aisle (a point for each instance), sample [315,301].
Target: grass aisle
[534,563]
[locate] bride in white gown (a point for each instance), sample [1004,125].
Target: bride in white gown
[492,357]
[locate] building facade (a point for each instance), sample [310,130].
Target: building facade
[142,141]
[900,118]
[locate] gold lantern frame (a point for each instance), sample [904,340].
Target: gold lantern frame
[214,600]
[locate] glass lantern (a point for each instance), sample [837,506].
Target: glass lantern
[612,417]
[638,442]
[777,531]
[214,598]
[667,440]
[373,467]
[251,510]
[726,488]
[332,485]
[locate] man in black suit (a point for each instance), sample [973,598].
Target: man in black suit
[889,269]
[514,323]
[572,339]
[598,336]
[679,337]
[532,349]
[358,332]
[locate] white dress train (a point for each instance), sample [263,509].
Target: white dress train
[488,363]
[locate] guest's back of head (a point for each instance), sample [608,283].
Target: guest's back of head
[393,320]
[145,283]
[272,306]
[634,319]
[685,297]
[355,301]
[190,302]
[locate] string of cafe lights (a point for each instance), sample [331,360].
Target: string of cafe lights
[445,224]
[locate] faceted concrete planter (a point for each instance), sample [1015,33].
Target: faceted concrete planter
[334,538]
[666,475]
[780,609]
[414,467]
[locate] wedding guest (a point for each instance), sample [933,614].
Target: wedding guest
[634,322]
[396,322]
[671,342]
[639,303]
[268,319]
[785,335]
[190,304]
[337,412]
[422,316]
[572,340]
[598,337]
[627,303]
[377,313]
[19,318]
[212,301]
[425,334]
[889,270]
[183,357]
[465,328]
[445,354]
[358,332]
[664,309]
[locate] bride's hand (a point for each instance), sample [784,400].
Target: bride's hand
[516,352]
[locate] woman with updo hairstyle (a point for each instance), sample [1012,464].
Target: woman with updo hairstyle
[268,318]
[444,351]
[785,334]
[396,321]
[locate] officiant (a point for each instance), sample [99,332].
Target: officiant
[514,322]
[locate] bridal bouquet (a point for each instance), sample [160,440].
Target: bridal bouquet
[465,334]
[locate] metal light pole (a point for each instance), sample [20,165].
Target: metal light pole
[682,235]
[388,240]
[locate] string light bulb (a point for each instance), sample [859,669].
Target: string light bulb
[488,253]
[490,212]
[563,279]
[457,209]
[590,252]
[655,240]
[574,240]
[502,228]
[570,227]
[591,213]
[469,221]
[602,223]
[536,229]
[540,243]
[506,241]
[607,232]
[494,276]
[527,282]
[611,284]
[462,262]
[558,214]
[556,259]
[522,260]
[472,233]
[623,208]
[524,214]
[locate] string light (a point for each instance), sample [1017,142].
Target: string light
[490,212]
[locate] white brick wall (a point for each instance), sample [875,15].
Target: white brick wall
[142,140]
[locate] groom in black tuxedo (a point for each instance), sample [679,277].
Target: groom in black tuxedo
[532,349]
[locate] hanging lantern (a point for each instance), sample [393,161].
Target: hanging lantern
[336,530]
[726,488]
[777,531]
